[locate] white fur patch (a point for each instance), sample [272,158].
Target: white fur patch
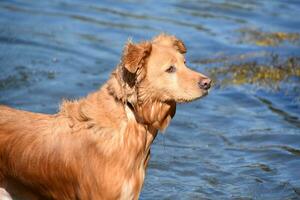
[4,195]
[127,190]
[129,113]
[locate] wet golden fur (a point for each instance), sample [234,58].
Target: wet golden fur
[98,147]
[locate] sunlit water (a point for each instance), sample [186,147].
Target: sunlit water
[241,142]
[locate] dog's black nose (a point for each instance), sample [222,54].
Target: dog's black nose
[204,83]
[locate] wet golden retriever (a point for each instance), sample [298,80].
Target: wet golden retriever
[98,147]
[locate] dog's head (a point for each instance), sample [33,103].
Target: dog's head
[157,70]
[152,77]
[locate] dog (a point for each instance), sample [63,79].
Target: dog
[98,147]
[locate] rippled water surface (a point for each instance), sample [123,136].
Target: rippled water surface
[241,142]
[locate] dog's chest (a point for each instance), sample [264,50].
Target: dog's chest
[127,191]
[131,187]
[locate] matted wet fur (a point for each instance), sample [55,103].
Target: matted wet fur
[98,147]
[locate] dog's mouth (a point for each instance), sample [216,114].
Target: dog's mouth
[190,99]
[205,92]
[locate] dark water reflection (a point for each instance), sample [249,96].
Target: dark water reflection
[240,142]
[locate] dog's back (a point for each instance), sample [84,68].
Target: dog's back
[17,131]
[14,123]
[30,153]
[17,123]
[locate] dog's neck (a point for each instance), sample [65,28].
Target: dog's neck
[150,111]
[155,113]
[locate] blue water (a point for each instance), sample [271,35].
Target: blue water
[241,142]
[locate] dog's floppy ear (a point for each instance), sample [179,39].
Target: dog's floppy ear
[170,40]
[130,72]
[134,55]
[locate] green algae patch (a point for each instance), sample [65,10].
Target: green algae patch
[270,75]
[260,38]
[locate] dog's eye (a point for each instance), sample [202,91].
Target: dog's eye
[171,69]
